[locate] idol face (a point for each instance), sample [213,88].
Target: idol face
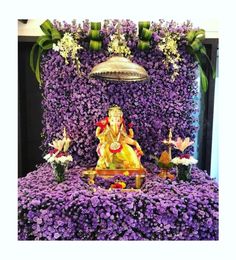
[115,120]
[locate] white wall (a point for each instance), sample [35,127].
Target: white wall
[32,28]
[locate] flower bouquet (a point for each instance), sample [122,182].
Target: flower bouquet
[183,162]
[165,164]
[59,157]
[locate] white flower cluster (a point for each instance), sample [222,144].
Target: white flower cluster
[168,45]
[118,45]
[184,161]
[68,48]
[52,158]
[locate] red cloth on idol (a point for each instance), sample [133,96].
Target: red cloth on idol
[103,123]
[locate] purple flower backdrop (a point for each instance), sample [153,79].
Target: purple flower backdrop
[78,102]
[73,210]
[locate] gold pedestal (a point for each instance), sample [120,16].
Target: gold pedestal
[106,173]
[138,173]
[165,174]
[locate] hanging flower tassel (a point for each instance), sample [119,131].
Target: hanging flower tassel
[95,37]
[196,48]
[43,43]
[145,35]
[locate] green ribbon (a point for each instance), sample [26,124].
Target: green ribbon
[145,35]
[95,37]
[196,48]
[42,44]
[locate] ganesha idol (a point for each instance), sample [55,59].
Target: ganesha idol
[117,150]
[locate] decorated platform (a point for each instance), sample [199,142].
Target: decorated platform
[75,210]
[129,172]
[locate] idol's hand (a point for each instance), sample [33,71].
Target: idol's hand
[139,149]
[131,133]
[104,132]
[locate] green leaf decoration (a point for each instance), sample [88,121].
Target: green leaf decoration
[143,45]
[203,80]
[42,44]
[196,45]
[95,25]
[196,48]
[160,164]
[32,57]
[95,37]
[203,52]
[142,25]
[37,69]
[95,45]
[145,35]
[190,36]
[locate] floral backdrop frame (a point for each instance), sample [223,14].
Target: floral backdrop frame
[73,100]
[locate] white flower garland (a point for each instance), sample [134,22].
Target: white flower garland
[168,45]
[68,48]
[51,158]
[184,161]
[118,45]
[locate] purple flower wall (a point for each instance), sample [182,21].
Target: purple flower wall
[78,102]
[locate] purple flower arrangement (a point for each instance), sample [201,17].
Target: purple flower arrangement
[78,102]
[74,210]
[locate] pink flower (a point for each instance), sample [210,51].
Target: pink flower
[182,144]
[186,156]
[53,151]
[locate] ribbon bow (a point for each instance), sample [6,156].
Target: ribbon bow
[195,47]
[43,43]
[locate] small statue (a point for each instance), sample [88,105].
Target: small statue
[114,149]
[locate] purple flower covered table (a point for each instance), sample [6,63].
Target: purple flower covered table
[74,210]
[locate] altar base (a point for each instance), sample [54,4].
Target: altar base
[106,173]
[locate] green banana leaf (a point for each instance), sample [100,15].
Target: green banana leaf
[196,48]
[95,25]
[145,35]
[143,45]
[95,43]
[43,43]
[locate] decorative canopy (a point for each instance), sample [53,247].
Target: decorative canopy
[119,68]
